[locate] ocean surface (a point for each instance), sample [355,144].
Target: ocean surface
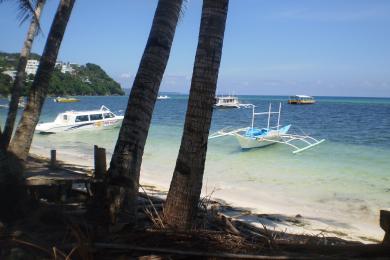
[343,182]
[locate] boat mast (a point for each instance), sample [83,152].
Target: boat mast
[269,115]
[280,108]
[253,115]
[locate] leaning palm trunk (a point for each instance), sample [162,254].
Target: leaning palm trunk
[182,201]
[20,144]
[20,76]
[126,160]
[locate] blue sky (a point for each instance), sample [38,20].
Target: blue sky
[314,47]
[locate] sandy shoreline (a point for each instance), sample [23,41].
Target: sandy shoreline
[276,214]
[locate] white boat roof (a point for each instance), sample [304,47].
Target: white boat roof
[302,96]
[101,110]
[223,97]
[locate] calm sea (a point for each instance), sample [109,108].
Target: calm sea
[342,182]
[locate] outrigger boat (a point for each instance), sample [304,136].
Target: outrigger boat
[252,137]
[71,121]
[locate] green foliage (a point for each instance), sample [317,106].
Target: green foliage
[5,83]
[88,79]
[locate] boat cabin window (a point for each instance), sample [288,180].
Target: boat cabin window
[96,117]
[65,117]
[109,115]
[82,118]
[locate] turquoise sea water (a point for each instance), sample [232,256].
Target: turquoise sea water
[344,180]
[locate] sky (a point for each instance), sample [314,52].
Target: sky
[280,47]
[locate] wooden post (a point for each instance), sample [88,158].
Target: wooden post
[53,159]
[96,208]
[100,162]
[385,225]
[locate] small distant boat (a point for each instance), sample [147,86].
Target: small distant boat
[228,102]
[253,137]
[301,100]
[163,97]
[71,121]
[66,100]
[21,103]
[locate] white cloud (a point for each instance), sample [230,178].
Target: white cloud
[125,75]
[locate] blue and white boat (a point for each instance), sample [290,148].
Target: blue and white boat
[253,137]
[72,121]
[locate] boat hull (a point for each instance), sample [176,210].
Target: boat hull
[297,102]
[51,128]
[227,106]
[252,142]
[272,137]
[66,100]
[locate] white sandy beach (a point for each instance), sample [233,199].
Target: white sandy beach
[277,213]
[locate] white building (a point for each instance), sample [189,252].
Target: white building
[66,67]
[32,66]
[11,73]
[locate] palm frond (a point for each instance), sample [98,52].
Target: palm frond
[25,8]
[182,10]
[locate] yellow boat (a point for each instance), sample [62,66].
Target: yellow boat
[301,100]
[66,100]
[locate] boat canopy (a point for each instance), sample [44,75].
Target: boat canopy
[301,97]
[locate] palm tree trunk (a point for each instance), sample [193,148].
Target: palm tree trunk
[127,157]
[20,144]
[20,76]
[182,201]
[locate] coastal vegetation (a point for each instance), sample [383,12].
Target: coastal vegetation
[89,79]
[111,217]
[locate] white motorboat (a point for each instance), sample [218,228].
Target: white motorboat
[163,97]
[21,103]
[229,102]
[71,121]
[252,137]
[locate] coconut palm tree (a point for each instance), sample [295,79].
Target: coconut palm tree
[126,160]
[20,76]
[21,142]
[11,160]
[182,201]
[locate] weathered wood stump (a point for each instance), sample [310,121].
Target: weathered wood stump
[385,225]
[97,208]
[53,159]
[100,162]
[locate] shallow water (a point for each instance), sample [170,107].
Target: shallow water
[345,179]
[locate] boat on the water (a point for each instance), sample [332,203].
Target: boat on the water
[301,100]
[66,99]
[71,121]
[228,102]
[21,103]
[252,137]
[163,97]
